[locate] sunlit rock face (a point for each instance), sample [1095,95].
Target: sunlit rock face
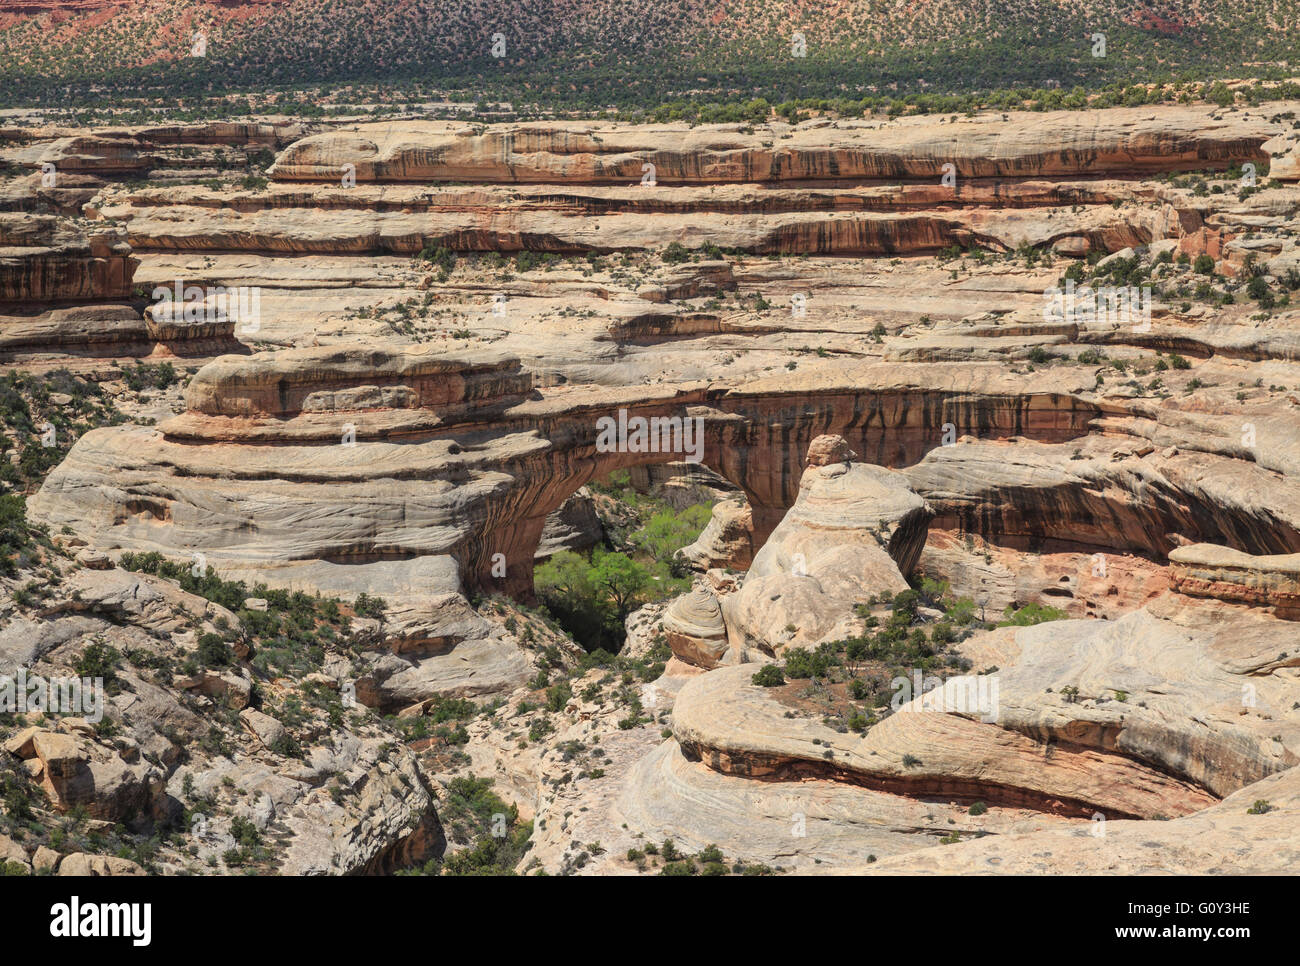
[353,455]
[872,407]
[1126,142]
[853,532]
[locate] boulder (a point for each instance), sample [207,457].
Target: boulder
[695,630]
[83,864]
[77,773]
[267,730]
[11,853]
[22,744]
[94,559]
[227,687]
[45,858]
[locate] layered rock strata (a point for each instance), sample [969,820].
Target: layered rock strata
[271,466]
[44,259]
[695,628]
[1207,570]
[1128,141]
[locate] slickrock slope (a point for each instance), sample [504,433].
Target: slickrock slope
[1082,582]
[728,723]
[1157,715]
[1225,839]
[811,825]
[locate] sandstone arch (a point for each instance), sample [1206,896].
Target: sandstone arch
[356,455]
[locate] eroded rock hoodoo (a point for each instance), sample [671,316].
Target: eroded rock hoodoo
[854,530]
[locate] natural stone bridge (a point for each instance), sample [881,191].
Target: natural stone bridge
[354,456]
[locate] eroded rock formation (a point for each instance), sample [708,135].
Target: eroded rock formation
[1128,142]
[477,459]
[854,531]
[423,431]
[44,259]
[1206,570]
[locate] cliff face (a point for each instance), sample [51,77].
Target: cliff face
[1207,570]
[300,381]
[1142,760]
[1062,143]
[44,259]
[67,280]
[852,188]
[66,293]
[1082,495]
[403,219]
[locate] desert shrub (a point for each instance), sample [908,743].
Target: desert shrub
[675,253]
[439,256]
[1031,614]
